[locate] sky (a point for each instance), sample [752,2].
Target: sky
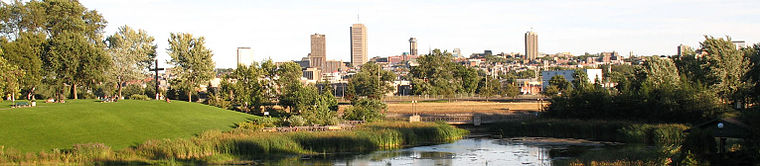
[280,30]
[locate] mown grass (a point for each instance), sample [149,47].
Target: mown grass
[117,125]
[227,147]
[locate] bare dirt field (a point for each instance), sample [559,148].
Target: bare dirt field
[464,107]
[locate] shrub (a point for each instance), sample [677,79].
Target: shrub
[139,97]
[366,110]
[132,89]
[297,120]
[217,100]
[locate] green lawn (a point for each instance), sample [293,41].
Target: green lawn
[119,125]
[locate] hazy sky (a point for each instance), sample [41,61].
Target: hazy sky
[280,29]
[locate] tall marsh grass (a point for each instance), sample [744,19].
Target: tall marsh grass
[217,147]
[619,131]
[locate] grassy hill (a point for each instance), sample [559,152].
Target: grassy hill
[119,125]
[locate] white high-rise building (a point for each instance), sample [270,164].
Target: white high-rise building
[244,56]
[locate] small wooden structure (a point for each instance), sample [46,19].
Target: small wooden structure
[723,129]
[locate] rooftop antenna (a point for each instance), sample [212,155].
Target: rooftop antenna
[357,16]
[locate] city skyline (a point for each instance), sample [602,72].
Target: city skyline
[276,30]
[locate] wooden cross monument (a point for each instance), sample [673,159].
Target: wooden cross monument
[156,78]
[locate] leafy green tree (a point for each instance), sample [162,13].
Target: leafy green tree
[560,82]
[753,75]
[269,82]
[26,52]
[368,110]
[725,68]
[289,73]
[72,60]
[248,89]
[580,80]
[526,74]
[61,22]
[131,52]
[660,72]
[290,87]
[192,61]
[320,108]
[434,76]
[489,86]
[510,89]
[550,91]
[10,77]
[469,79]
[371,82]
[557,85]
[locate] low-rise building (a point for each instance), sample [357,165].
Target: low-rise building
[593,75]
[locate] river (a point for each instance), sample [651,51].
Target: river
[470,151]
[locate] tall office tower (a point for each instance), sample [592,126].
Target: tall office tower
[457,53]
[682,49]
[531,45]
[244,56]
[317,57]
[412,46]
[358,45]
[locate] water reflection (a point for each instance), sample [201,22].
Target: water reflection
[474,151]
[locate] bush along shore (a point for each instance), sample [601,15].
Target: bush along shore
[217,147]
[647,144]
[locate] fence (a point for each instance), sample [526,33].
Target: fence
[346,125]
[469,118]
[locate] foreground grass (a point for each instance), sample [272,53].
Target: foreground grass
[217,147]
[117,125]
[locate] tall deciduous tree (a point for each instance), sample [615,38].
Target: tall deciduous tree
[371,82]
[72,60]
[248,89]
[434,75]
[290,88]
[660,72]
[59,21]
[725,67]
[131,52]
[192,62]
[9,77]
[26,52]
[753,75]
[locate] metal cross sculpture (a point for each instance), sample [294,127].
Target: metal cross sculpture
[156,69]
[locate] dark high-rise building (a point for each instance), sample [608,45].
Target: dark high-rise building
[412,46]
[531,45]
[317,57]
[358,45]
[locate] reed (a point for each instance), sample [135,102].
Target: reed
[619,131]
[217,147]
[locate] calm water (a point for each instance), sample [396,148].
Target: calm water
[472,151]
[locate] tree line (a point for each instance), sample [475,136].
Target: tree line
[712,82]
[438,74]
[57,49]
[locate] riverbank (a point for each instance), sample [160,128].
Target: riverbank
[613,131]
[637,143]
[244,146]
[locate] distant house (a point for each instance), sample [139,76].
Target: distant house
[593,75]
